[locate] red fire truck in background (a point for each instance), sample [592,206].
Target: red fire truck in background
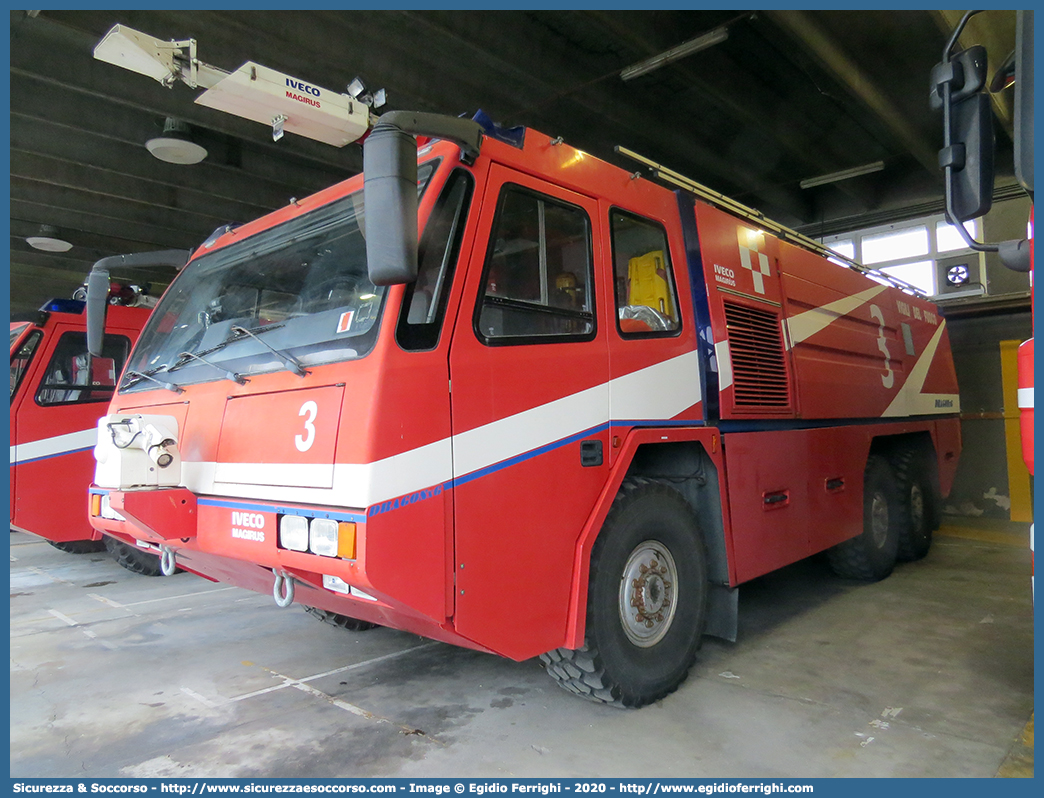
[58,392]
[502,394]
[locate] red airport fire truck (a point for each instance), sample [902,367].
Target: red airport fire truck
[503,394]
[58,392]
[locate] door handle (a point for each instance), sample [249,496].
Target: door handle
[590,453]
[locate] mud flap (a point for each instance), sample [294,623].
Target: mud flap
[722,612]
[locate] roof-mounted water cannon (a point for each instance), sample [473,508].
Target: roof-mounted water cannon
[255,92]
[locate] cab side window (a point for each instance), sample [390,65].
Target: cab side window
[646,297]
[424,304]
[537,281]
[72,376]
[21,359]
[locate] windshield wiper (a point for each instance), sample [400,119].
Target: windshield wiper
[184,358]
[139,375]
[288,361]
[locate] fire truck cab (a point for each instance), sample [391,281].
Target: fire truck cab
[567,419]
[58,392]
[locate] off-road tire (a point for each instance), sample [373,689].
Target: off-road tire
[649,549]
[78,546]
[340,621]
[132,558]
[870,556]
[919,502]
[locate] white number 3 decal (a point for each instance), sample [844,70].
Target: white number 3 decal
[304,442]
[888,378]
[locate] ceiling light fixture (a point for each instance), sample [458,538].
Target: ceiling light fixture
[684,49]
[836,177]
[176,144]
[48,240]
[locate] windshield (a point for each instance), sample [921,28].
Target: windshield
[295,294]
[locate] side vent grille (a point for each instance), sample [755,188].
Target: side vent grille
[759,372]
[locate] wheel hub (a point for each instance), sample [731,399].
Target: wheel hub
[647,594]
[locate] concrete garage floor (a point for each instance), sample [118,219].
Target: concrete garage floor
[928,673]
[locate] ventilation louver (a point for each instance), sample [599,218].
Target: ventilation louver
[759,373]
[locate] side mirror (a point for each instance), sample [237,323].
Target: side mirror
[98,287]
[965,72]
[390,205]
[967,156]
[97,304]
[958,87]
[973,146]
[390,187]
[1024,100]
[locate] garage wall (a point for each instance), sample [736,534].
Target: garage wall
[1005,221]
[982,484]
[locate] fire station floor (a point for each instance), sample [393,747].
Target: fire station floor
[927,673]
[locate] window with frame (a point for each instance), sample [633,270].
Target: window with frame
[538,280]
[424,303]
[906,250]
[21,359]
[646,297]
[73,376]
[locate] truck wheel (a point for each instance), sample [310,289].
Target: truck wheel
[918,504]
[78,546]
[340,621]
[871,555]
[132,558]
[647,601]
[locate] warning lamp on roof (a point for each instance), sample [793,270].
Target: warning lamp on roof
[63,306]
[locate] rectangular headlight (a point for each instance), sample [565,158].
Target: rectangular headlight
[293,532]
[322,537]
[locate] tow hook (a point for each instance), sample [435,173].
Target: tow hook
[167,564]
[283,589]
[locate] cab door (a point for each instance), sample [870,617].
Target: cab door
[529,375]
[25,343]
[54,417]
